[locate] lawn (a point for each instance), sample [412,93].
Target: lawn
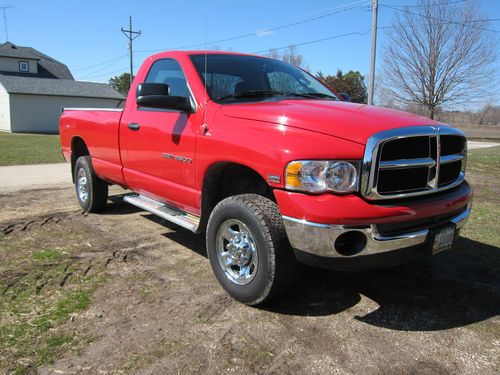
[16,149]
[483,173]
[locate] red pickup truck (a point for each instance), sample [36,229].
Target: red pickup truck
[274,166]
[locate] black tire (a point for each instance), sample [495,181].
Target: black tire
[91,191]
[276,262]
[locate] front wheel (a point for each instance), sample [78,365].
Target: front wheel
[248,248]
[91,191]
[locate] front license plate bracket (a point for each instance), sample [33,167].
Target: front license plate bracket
[443,239]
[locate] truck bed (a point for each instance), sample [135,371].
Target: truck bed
[99,128]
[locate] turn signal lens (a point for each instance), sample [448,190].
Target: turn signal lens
[292,174]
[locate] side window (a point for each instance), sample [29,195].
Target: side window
[170,72]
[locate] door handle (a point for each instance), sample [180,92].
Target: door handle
[134,126]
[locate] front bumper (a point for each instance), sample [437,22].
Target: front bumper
[383,234]
[321,239]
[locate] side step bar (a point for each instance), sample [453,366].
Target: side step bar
[164,211]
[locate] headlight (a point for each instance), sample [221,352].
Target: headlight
[317,176]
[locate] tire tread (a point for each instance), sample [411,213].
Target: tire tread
[98,188]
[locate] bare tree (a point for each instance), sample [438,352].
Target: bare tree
[483,112]
[439,53]
[289,55]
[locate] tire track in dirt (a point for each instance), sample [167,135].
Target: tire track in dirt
[103,250]
[35,223]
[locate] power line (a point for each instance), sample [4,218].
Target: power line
[483,20]
[106,73]
[447,22]
[349,6]
[362,2]
[421,6]
[361,32]
[104,67]
[316,41]
[99,64]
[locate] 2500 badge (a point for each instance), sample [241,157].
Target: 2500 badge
[177,157]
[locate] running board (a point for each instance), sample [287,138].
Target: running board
[174,215]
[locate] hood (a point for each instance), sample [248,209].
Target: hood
[354,122]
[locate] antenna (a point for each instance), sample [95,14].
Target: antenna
[205,126]
[5,21]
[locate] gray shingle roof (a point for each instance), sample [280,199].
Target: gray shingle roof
[58,87]
[47,66]
[11,50]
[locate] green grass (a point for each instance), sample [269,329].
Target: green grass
[483,225]
[47,255]
[483,173]
[17,149]
[482,160]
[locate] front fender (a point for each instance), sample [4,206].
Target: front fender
[267,148]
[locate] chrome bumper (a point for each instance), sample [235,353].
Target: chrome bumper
[319,239]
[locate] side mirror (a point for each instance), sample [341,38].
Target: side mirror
[156,95]
[345,97]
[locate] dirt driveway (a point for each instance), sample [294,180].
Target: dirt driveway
[159,310]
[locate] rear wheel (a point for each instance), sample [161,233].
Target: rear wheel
[248,248]
[91,191]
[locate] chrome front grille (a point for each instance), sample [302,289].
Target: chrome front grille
[413,161]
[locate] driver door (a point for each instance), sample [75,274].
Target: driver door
[158,145]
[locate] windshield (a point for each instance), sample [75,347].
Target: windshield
[238,78]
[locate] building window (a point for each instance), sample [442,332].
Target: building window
[24,66]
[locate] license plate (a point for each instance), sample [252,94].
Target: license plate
[443,240]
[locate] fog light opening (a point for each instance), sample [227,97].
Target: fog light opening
[350,243]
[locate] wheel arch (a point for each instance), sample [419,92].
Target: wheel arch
[78,148]
[225,178]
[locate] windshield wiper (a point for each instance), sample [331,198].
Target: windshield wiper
[321,95]
[257,93]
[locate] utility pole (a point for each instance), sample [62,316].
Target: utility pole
[5,21]
[131,35]
[371,83]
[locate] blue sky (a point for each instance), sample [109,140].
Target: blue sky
[86,33]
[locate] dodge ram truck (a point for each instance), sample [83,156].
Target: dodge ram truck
[274,166]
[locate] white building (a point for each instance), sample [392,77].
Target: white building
[34,88]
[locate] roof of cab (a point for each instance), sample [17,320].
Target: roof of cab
[176,53]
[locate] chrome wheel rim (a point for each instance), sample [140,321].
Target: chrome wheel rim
[81,185]
[237,252]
